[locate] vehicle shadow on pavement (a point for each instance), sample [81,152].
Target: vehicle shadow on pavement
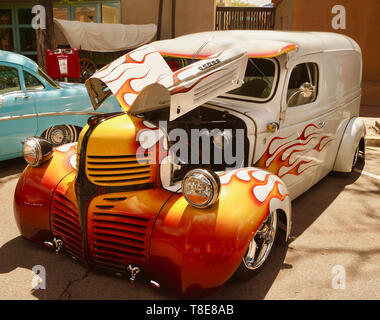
[305,210]
[67,279]
[11,168]
[308,207]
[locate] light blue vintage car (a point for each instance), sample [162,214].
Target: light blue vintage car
[32,104]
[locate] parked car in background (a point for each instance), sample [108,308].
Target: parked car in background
[285,103]
[32,104]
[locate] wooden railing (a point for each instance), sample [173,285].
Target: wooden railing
[245,18]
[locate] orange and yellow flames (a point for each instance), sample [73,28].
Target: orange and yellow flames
[301,146]
[109,75]
[265,187]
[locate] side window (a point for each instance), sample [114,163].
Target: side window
[303,85]
[31,82]
[8,79]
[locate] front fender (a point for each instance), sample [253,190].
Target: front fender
[354,132]
[34,190]
[196,250]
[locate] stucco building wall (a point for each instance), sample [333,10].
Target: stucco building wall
[362,24]
[195,16]
[191,16]
[284,15]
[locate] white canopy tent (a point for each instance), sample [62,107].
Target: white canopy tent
[103,37]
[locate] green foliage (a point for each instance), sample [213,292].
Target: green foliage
[8,79]
[238,3]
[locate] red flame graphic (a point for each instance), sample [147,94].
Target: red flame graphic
[303,141]
[274,193]
[127,88]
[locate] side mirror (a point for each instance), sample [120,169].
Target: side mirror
[306,90]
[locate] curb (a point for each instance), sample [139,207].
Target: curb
[372,141]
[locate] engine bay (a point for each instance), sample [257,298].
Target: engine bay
[204,138]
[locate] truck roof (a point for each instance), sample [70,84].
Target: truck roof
[258,43]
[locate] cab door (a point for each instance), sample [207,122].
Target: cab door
[17,112]
[303,140]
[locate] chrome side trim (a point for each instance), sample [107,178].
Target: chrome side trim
[50,114]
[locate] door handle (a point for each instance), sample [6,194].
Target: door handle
[20,98]
[321,124]
[273,126]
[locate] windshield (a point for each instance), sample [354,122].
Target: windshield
[49,80]
[259,81]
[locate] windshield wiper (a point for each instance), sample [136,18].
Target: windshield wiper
[262,73]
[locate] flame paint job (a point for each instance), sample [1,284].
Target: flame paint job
[289,154]
[147,67]
[34,190]
[199,249]
[191,250]
[119,226]
[64,219]
[122,146]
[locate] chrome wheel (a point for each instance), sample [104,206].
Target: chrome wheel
[262,243]
[356,157]
[62,134]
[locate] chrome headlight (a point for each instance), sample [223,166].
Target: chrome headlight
[201,188]
[36,151]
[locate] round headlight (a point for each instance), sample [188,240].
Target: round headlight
[36,150]
[201,188]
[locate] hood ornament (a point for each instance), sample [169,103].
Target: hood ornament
[134,272]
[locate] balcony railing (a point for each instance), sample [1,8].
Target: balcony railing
[245,18]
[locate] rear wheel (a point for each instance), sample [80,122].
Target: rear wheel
[356,157]
[358,161]
[259,248]
[61,134]
[359,156]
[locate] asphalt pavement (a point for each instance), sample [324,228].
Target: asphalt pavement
[333,253]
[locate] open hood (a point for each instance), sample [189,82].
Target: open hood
[142,81]
[127,76]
